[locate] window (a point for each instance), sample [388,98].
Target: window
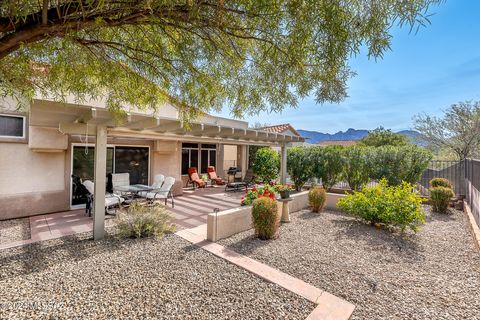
[12,126]
[189,156]
[133,160]
[209,156]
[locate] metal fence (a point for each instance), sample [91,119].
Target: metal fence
[472,186]
[454,171]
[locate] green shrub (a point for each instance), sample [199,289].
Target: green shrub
[398,164]
[266,165]
[299,165]
[394,206]
[140,220]
[440,197]
[327,164]
[265,218]
[440,182]
[356,170]
[317,198]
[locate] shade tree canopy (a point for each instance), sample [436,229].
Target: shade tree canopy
[197,54]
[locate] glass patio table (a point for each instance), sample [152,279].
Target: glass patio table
[132,191]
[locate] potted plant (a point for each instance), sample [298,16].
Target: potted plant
[284,190]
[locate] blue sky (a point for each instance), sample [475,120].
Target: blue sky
[424,72]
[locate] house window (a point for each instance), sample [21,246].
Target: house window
[209,156]
[189,156]
[12,126]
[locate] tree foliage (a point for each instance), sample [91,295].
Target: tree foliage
[357,166]
[328,164]
[299,165]
[458,130]
[266,165]
[198,54]
[383,137]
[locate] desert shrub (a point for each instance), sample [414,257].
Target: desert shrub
[327,164]
[299,165]
[317,198]
[141,220]
[440,182]
[255,193]
[393,206]
[398,164]
[265,218]
[440,197]
[266,164]
[356,170]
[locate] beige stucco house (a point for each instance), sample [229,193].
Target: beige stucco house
[42,146]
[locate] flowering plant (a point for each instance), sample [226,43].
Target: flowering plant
[282,187]
[255,193]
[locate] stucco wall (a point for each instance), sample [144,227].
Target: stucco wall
[168,163]
[31,182]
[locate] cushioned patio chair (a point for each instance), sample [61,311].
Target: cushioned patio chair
[164,192]
[212,175]
[111,200]
[120,180]
[157,184]
[195,178]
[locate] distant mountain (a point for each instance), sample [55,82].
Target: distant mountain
[352,134]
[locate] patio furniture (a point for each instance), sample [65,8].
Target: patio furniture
[248,181]
[111,200]
[232,173]
[133,191]
[120,179]
[157,183]
[164,192]
[195,178]
[212,175]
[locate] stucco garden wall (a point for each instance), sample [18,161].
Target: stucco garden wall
[229,222]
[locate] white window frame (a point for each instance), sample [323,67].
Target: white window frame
[24,133]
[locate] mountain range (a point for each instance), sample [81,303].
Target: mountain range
[350,134]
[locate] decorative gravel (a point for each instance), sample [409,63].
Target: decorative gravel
[14,230]
[164,278]
[434,274]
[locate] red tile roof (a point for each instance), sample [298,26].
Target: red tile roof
[280,128]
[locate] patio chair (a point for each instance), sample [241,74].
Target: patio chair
[164,192]
[195,178]
[120,179]
[111,199]
[248,181]
[212,175]
[157,183]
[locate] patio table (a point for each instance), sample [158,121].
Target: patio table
[133,190]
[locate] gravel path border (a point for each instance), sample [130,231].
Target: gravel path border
[434,274]
[14,230]
[140,278]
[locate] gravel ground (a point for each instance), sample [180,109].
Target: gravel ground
[434,274]
[166,278]
[14,230]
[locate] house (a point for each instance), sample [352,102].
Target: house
[344,143]
[286,128]
[43,146]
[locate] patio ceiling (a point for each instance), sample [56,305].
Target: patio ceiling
[77,119]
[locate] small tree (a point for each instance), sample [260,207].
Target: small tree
[458,130]
[266,165]
[299,166]
[357,166]
[383,137]
[397,164]
[327,164]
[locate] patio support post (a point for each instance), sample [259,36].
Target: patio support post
[100,182]
[283,164]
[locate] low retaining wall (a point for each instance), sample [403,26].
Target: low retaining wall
[229,222]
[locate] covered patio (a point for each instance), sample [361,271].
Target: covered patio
[164,134]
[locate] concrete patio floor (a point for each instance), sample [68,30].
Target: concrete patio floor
[190,211]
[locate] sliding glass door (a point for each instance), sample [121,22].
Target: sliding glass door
[120,159]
